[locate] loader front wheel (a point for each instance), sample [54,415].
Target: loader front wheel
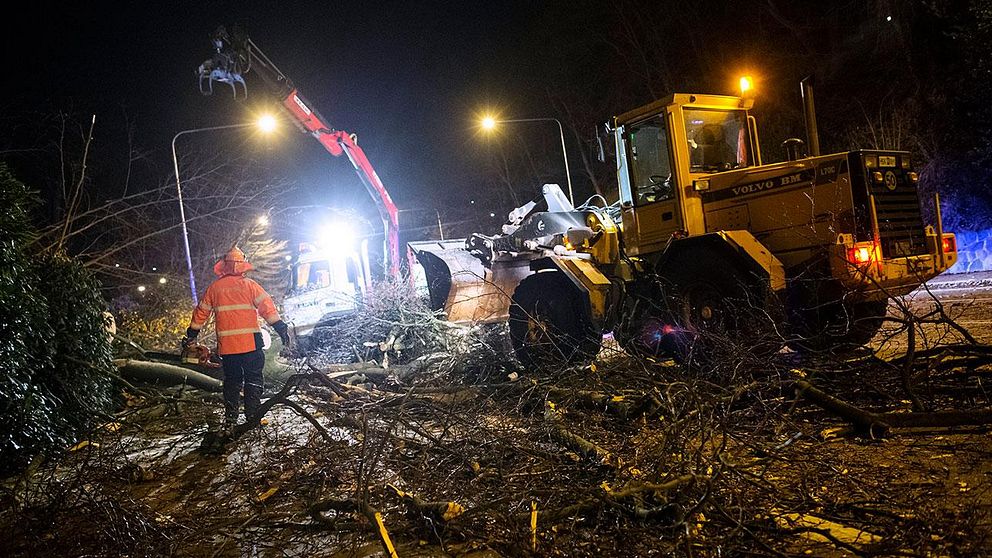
[550,323]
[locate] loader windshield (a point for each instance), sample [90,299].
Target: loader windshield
[717,139]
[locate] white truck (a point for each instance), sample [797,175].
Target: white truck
[325,283]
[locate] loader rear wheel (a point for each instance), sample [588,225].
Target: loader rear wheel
[550,323]
[718,311]
[839,327]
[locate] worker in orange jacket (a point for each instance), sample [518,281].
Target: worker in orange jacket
[236,301]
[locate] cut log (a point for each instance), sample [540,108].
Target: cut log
[879,423]
[166,374]
[441,511]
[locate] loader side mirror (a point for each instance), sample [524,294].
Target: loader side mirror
[601,151]
[605,132]
[794,149]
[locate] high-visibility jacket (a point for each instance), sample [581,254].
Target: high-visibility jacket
[236,301]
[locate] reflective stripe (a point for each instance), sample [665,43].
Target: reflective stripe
[227,307]
[237,331]
[204,306]
[273,318]
[260,298]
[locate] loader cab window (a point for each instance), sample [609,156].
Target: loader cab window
[717,139]
[650,164]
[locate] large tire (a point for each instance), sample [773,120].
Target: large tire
[712,309]
[550,323]
[837,327]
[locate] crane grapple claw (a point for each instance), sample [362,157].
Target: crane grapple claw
[210,74]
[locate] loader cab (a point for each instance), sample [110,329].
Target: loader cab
[665,152]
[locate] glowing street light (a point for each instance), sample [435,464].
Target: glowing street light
[267,123]
[489,123]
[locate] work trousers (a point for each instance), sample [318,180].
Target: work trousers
[242,370]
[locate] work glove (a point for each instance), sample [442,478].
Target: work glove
[190,337]
[283,330]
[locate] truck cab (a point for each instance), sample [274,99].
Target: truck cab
[325,283]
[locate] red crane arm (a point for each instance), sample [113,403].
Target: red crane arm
[337,142]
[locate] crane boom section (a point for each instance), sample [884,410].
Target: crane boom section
[338,143]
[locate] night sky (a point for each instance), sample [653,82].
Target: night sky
[408,77]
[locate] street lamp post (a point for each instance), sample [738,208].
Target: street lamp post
[266,124]
[489,123]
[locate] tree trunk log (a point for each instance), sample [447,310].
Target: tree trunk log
[870,421]
[166,374]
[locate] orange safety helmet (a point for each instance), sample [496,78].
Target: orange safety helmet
[233,263]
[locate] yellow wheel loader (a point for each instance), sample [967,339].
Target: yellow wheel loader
[706,244]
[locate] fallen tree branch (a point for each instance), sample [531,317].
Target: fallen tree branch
[879,423]
[439,512]
[620,405]
[374,517]
[572,440]
[167,374]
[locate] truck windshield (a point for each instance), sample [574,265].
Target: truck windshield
[313,275]
[650,166]
[717,139]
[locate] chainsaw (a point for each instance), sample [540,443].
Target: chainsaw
[195,353]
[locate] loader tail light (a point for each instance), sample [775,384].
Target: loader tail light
[864,252]
[948,244]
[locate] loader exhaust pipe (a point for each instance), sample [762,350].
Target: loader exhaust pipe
[809,116]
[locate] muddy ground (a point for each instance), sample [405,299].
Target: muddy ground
[468,455]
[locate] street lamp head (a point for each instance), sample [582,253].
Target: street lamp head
[488,123]
[267,123]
